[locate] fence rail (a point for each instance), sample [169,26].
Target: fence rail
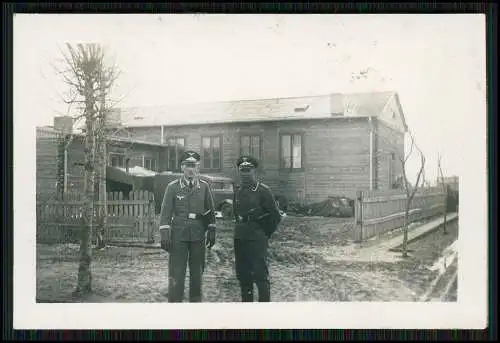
[377,212]
[131,218]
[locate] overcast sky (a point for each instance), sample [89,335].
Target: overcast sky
[435,62]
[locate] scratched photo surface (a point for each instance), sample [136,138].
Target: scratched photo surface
[302,161]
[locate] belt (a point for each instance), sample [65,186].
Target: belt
[194,216]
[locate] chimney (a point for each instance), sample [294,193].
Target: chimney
[63,124]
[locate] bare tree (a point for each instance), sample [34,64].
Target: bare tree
[443,185]
[90,81]
[410,189]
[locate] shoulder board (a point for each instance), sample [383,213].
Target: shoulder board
[171,183]
[263,185]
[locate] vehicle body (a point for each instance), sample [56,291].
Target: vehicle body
[342,207]
[222,190]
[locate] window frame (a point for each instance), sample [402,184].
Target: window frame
[202,151]
[151,159]
[250,135]
[177,166]
[119,154]
[302,151]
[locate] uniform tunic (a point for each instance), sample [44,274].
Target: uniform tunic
[251,236]
[187,234]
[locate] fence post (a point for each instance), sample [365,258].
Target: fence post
[358,211]
[150,217]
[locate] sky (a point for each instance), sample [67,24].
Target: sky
[435,62]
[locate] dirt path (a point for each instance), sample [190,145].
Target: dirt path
[298,261]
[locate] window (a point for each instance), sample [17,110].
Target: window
[175,148]
[222,186]
[211,152]
[291,151]
[117,160]
[149,163]
[250,145]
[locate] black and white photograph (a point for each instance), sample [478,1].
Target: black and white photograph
[330,169]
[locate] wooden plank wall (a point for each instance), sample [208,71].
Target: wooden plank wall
[380,211]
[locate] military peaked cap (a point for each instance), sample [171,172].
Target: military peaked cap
[246,161]
[190,156]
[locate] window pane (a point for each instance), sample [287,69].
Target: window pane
[206,152]
[256,147]
[180,141]
[216,142]
[171,158]
[171,141]
[285,151]
[216,148]
[297,151]
[206,143]
[216,163]
[206,162]
[245,145]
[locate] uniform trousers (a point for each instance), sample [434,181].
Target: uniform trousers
[181,254]
[251,267]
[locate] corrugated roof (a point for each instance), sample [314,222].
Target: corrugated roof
[309,107]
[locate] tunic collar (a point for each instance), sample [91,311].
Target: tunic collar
[185,182]
[253,188]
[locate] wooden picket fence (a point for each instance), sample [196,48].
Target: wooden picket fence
[377,212]
[129,218]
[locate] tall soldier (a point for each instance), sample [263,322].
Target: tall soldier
[257,217]
[187,224]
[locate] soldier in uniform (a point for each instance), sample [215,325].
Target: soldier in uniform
[257,217]
[187,225]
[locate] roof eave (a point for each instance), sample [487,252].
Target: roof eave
[400,107]
[329,116]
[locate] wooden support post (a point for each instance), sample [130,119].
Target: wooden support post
[358,215]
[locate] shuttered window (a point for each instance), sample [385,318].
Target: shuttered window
[250,145]
[291,151]
[175,148]
[211,152]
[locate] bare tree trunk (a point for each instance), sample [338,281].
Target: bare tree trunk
[84,271]
[103,208]
[405,230]
[445,190]
[445,229]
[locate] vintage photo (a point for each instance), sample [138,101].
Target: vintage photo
[298,159]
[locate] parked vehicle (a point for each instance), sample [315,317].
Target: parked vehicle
[333,206]
[222,190]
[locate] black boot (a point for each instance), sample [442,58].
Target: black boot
[247,294]
[264,291]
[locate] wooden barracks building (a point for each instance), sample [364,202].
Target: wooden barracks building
[309,147]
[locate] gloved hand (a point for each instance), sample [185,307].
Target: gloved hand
[166,237]
[210,237]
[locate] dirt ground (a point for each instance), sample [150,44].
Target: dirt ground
[298,268]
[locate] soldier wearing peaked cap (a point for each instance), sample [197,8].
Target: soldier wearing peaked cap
[257,217]
[187,225]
